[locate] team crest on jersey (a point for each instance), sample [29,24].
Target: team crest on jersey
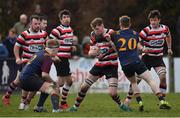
[68,40]
[36,48]
[156,42]
[41,39]
[104,50]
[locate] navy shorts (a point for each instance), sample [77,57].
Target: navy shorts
[108,71]
[31,83]
[153,61]
[62,67]
[137,67]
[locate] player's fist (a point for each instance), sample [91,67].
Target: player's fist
[19,61]
[73,48]
[170,52]
[94,51]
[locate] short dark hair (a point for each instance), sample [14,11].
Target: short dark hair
[125,21]
[64,12]
[96,22]
[44,17]
[34,17]
[154,13]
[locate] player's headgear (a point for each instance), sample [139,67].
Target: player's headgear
[52,43]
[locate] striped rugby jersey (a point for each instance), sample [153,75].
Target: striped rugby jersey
[65,35]
[109,54]
[31,42]
[154,39]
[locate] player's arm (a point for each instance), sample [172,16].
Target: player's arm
[46,66]
[111,39]
[169,43]
[94,50]
[20,41]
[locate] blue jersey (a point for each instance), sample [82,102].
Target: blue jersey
[126,44]
[39,63]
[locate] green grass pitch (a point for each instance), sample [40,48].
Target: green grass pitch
[97,105]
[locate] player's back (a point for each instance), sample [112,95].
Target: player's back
[34,66]
[126,44]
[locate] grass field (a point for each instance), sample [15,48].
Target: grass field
[97,105]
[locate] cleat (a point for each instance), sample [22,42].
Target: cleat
[125,107]
[164,105]
[56,110]
[64,106]
[21,106]
[72,109]
[127,101]
[26,107]
[141,106]
[5,100]
[39,109]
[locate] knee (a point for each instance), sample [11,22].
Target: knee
[85,87]
[69,81]
[162,74]
[113,94]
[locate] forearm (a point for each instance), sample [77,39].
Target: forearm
[16,52]
[169,42]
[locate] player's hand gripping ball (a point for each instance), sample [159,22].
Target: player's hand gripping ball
[94,51]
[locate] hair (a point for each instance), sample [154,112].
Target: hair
[125,21]
[50,43]
[154,13]
[96,22]
[37,17]
[64,12]
[13,30]
[43,17]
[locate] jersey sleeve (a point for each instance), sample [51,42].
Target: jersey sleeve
[55,34]
[143,35]
[92,39]
[46,66]
[20,40]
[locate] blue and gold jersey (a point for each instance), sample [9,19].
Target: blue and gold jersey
[39,63]
[126,45]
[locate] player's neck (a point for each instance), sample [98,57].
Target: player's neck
[33,30]
[124,28]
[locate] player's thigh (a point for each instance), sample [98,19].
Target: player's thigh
[161,71]
[111,72]
[31,83]
[62,67]
[94,78]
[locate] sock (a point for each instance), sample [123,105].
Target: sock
[130,94]
[138,99]
[79,98]
[160,96]
[65,91]
[11,88]
[42,99]
[163,88]
[117,99]
[23,99]
[55,101]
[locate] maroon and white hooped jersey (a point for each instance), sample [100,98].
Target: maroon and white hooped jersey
[65,35]
[31,42]
[109,55]
[154,39]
